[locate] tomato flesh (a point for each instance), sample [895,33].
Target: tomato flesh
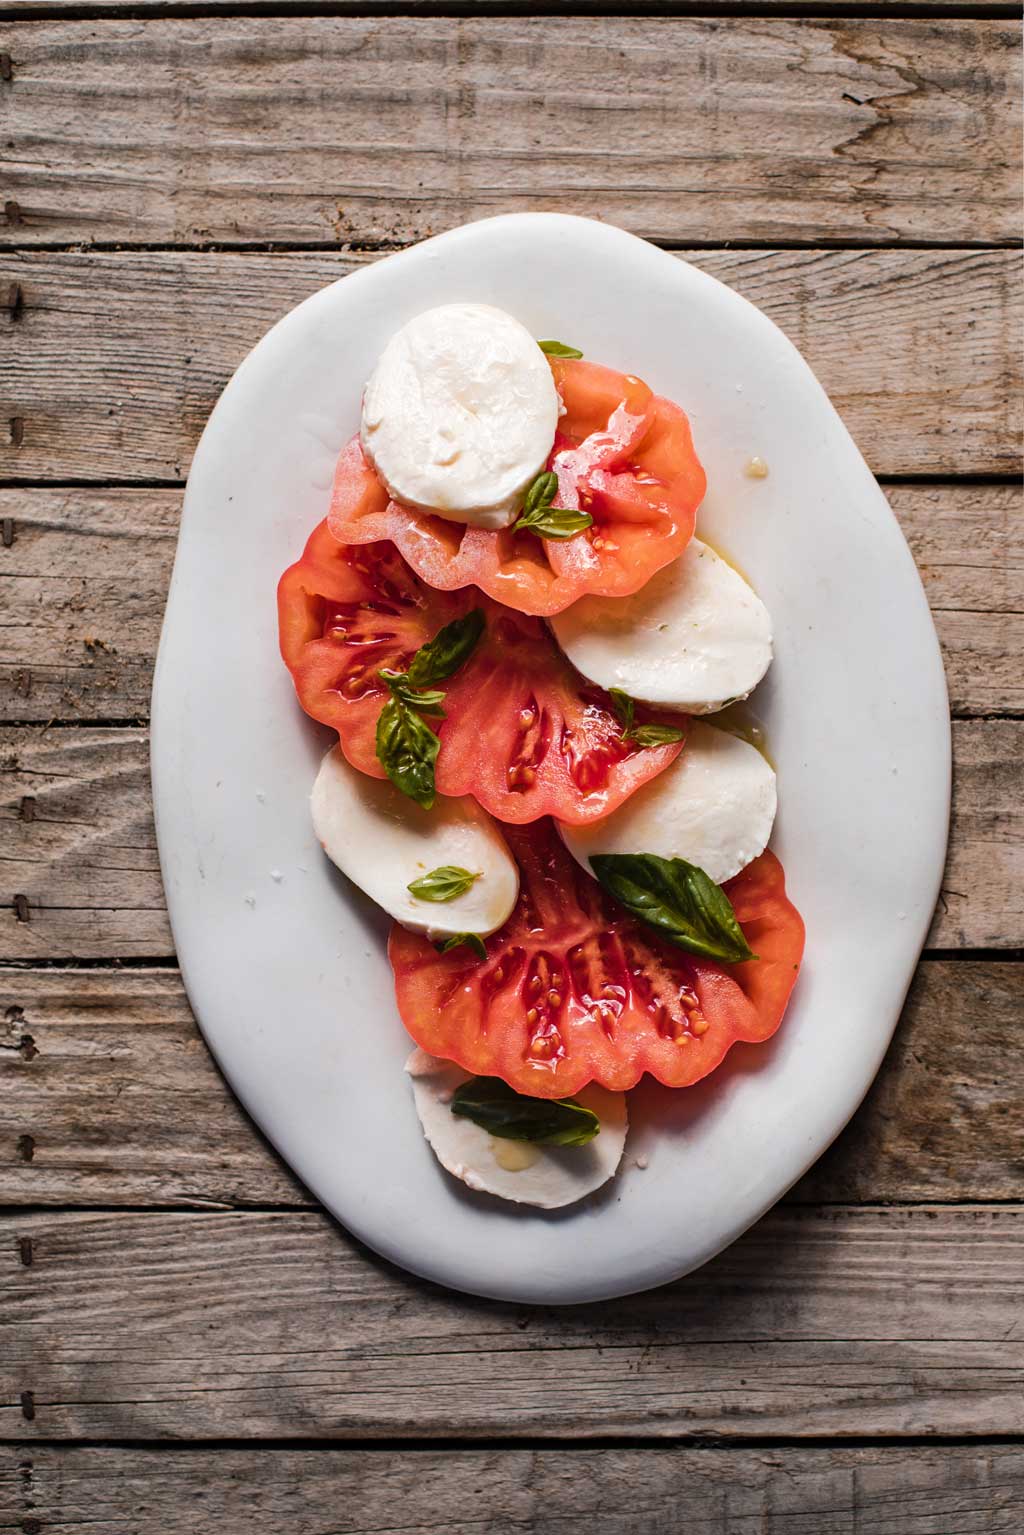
[524,733]
[575,990]
[622,454]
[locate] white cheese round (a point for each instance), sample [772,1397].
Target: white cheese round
[696,637]
[528,1174]
[459,416]
[714,807]
[384,841]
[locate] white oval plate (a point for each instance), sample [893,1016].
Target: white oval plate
[284,962]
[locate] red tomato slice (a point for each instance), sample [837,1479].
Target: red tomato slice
[575,990]
[524,733]
[622,454]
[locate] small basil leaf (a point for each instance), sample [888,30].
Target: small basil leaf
[471,940]
[559,349]
[641,735]
[677,899]
[656,735]
[446,652]
[443,884]
[494,1106]
[541,493]
[547,521]
[429,702]
[407,749]
[624,708]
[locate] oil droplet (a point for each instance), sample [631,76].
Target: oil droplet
[740,720]
[755,468]
[514,1156]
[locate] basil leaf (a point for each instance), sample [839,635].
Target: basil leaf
[398,685]
[446,652]
[443,884]
[559,349]
[407,749]
[641,735]
[547,521]
[471,940]
[677,899]
[493,1105]
[656,735]
[624,708]
[541,493]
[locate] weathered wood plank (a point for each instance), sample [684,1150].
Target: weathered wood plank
[269,129]
[622,8]
[89,569]
[107,1081]
[611,1491]
[114,361]
[79,846]
[829,1321]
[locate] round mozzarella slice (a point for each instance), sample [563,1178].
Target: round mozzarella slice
[714,807]
[528,1174]
[459,416]
[384,841]
[696,637]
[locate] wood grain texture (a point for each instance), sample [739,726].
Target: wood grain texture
[271,129]
[79,847]
[88,572]
[611,1491]
[104,1075]
[114,361]
[828,1321]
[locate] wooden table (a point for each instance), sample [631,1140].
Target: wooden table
[188,1344]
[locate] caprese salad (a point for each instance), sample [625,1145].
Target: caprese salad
[508,621]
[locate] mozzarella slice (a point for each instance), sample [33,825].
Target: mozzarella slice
[696,637]
[528,1174]
[383,841]
[714,807]
[459,416]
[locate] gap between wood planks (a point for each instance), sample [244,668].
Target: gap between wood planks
[498,1442]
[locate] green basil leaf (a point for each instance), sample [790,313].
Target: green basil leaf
[559,349]
[471,940]
[493,1105]
[641,735]
[446,652]
[407,749]
[429,702]
[656,735]
[541,493]
[677,899]
[624,708]
[443,884]
[547,521]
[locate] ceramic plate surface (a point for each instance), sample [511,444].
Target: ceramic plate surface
[284,961]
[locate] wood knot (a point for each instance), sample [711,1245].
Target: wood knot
[12,212]
[21,908]
[28,1405]
[6,67]
[16,431]
[26,1147]
[25,1251]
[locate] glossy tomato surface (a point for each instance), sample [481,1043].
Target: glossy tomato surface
[575,990]
[524,733]
[622,454]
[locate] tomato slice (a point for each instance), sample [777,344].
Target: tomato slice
[524,733]
[623,454]
[575,990]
